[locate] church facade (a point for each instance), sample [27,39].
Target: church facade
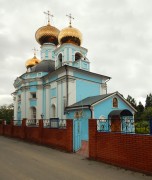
[60,85]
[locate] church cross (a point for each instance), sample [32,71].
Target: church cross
[34,51]
[49,15]
[70,17]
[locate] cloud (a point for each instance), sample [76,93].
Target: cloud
[117,34]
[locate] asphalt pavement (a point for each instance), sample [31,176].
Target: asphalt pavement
[25,161]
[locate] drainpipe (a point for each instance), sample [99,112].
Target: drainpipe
[91,110]
[67,86]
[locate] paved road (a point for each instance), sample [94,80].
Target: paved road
[24,161]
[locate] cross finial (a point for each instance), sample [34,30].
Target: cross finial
[70,17]
[34,51]
[49,15]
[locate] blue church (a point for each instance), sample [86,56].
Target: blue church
[60,85]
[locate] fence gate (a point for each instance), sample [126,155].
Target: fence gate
[76,135]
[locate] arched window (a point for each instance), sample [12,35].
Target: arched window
[33,113]
[78,56]
[115,102]
[59,60]
[53,111]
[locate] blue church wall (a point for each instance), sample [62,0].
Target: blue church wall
[76,64]
[106,106]
[85,89]
[33,89]
[86,114]
[33,75]
[33,83]
[44,102]
[87,77]
[33,102]
[85,65]
[53,92]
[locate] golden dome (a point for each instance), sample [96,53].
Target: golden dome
[70,35]
[32,62]
[47,34]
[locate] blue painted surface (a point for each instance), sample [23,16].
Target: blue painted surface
[33,83]
[33,102]
[33,89]
[44,102]
[53,92]
[85,89]
[85,65]
[77,135]
[86,114]
[19,115]
[87,77]
[76,64]
[106,106]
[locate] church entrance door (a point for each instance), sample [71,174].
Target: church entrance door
[77,134]
[115,124]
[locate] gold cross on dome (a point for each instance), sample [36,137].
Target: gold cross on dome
[34,51]
[49,15]
[70,17]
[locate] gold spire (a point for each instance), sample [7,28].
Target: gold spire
[49,15]
[70,17]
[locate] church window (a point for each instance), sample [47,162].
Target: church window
[78,56]
[33,113]
[33,95]
[19,97]
[115,102]
[53,110]
[60,60]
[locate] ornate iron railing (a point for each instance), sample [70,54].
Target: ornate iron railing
[17,122]
[103,125]
[54,123]
[128,125]
[32,122]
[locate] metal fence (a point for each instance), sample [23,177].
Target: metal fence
[17,122]
[128,125]
[32,122]
[54,123]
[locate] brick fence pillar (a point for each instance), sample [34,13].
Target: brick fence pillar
[41,131]
[3,124]
[92,138]
[12,125]
[69,134]
[23,136]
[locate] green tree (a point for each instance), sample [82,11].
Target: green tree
[6,112]
[132,101]
[147,114]
[148,101]
[140,110]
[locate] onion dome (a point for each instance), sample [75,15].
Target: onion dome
[70,35]
[47,34]
[32,62]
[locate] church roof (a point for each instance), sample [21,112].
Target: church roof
[44,66]
[90,100]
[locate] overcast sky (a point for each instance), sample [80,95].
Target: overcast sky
[117,34]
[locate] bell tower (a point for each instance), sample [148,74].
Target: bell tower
[70,51]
